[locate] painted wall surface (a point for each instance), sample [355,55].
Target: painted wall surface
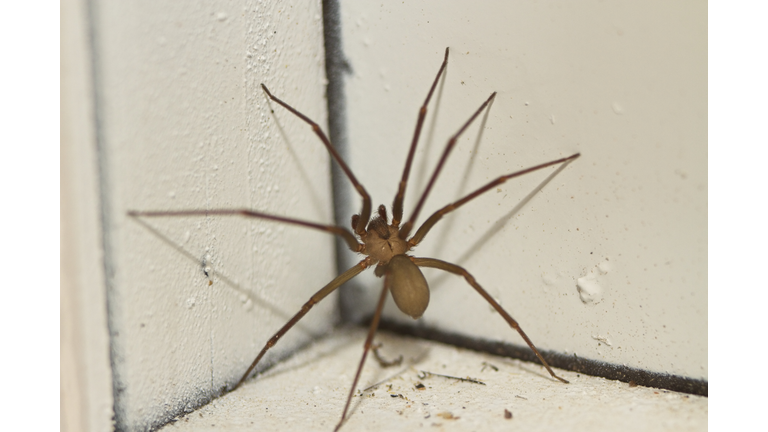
[609,260]
[183,124]
[85,389]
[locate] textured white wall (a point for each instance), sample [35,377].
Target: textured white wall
[184,125]
[623,83]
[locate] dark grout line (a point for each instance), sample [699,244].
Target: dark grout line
[556,359]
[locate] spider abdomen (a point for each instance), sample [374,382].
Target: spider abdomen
[408,286]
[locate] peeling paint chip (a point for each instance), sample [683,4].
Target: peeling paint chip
[589,290]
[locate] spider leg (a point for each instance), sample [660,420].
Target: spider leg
[367,347]
[337,282]
[406,229]
[365,214]
[453,268]
[333,229]
[397,206]
[436,216]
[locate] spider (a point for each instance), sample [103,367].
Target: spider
[384,242]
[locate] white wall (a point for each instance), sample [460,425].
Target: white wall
[86,377]
[624,83]
[184,125]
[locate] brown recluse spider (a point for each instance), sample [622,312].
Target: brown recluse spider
[384,244]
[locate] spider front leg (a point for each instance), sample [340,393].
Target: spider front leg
[337,282]
[365,213]
[397,205]
[453,268]
[406,228]
[354,246]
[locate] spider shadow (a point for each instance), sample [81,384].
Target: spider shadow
[334,342]
[236,288]
[498,225]
[529,368]
[468,168]
[413,352]
[317,204]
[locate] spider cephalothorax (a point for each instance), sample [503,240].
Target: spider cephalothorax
[381,241]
